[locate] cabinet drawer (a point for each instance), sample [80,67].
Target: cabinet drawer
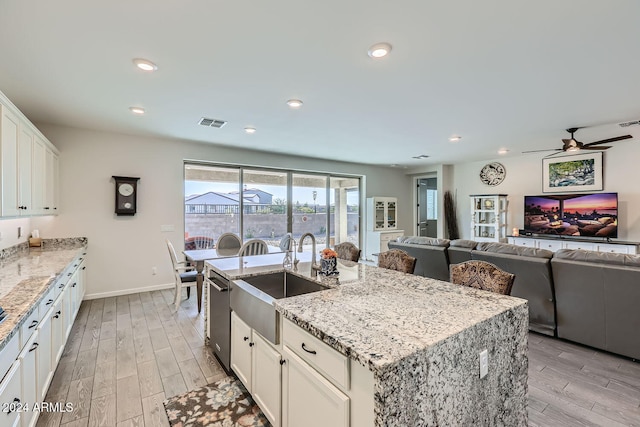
[29,326]
[549,245]
[580,245]
[529,243]
[387,237]
[618,249]
[47,302]
[325,359]
[9,354]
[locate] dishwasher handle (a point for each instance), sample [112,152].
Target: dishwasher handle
[218,285]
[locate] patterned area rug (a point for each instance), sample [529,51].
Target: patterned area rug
[225,403]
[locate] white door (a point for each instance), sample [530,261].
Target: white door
[25,149]
[38,185]
[10,395]
[241,343]
[308,399]
[266,378]
[9,125]
[28,373]
[57,332]
[45,372]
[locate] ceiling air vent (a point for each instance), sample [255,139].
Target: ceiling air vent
[213,123]
[627,124]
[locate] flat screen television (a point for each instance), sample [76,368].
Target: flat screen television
[591,215]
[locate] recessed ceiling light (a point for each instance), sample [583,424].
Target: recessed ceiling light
[379,50]
[145,65]
[137,110]
[455,138]
[503,151]
[250,130]
[294,103]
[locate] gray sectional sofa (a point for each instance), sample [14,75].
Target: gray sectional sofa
[584,296]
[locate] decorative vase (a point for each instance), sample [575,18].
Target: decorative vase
[328,266]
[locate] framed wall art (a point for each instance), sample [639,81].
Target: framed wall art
[580,172]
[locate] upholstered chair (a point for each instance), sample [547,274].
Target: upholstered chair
[482,275]
[184,275]
[348,251]
[396,259]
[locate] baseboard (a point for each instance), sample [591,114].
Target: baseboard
[129,291]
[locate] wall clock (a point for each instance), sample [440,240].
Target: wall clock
[126,192]
[493,173]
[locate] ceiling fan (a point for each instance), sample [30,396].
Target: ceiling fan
[573,144]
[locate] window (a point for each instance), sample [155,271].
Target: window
[268,203]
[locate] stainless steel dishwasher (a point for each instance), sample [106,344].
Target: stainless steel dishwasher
[219,317]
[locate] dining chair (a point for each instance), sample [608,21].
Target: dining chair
[482,275]
[229,242]
[348,251]
[397,259]
[184,274]
[205,240]
[254,247]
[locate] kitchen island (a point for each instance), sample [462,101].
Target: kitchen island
[420,338]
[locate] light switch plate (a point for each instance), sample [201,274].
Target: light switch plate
[484,363]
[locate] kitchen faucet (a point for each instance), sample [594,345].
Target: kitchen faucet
[313,248]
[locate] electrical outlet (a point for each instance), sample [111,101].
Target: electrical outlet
[484,363]
[154,270]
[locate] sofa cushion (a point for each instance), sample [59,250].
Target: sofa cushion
[419,240]
[506,248]
[462,243]
[598,257]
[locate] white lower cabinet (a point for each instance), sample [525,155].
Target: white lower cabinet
[45,371]
[302,381]
[554,245]
[29,379]
[308,399]
[57,332]
[10,397]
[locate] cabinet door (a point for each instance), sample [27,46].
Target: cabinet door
[51,161]
[308,399]
[266,379]
[38,176]
[45,371]
[241,343]
[74,292]
[29,381]
[9,125]
[25,149]
[67,314]
[580,245]
[10,394]
[57,332]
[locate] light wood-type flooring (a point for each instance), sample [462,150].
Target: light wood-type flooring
[126,354]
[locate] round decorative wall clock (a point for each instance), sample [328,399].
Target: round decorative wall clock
[493,173]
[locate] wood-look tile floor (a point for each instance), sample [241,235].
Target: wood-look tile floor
[126,354]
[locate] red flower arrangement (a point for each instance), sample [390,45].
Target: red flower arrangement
[328,253]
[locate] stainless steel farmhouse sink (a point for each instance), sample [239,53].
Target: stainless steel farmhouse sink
[252,299]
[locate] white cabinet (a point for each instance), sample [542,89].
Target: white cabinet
[488,217]
[29,380]
[45,371]
[10,388]
[308,398]
[9,135]
[29,166]
[257,365]
[554,245]
[57,332]
[382,213]
[378,241]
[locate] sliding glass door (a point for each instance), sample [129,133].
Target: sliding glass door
[267,203]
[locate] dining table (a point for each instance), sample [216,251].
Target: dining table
[199,256]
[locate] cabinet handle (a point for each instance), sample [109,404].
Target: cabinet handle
[308,351]
[15,400]
[74,284]
[61,285]
[49,302]
[251,344]
[246,338]
[35,345]
[33,324]
[84,267]
[69,274]
[46,207]
[57,314]
[282,361]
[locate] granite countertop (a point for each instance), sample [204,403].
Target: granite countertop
[373,315]
[26,274]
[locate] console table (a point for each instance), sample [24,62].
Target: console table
[555,243]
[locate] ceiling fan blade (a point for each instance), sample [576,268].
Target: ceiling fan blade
[596,148]
[538,151]
[605,141]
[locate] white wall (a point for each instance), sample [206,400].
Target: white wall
[9,231]
[123,250]
[524,177]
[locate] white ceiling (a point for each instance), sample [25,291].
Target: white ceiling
[501,73]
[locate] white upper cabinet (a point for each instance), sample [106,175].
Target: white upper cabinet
[9,133]
[29,165]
